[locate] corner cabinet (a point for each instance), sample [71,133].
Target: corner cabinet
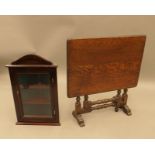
[34,87]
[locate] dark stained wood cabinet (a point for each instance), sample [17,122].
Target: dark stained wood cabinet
[101,65]
[34,86]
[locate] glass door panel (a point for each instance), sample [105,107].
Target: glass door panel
[35,94]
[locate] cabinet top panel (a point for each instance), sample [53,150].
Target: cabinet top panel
[31,60]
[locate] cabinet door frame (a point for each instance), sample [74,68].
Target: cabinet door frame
[54,120]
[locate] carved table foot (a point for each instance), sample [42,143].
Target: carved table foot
[79,119]
[116,109]
[126,110]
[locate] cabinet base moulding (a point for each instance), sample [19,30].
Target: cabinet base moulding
[30,123]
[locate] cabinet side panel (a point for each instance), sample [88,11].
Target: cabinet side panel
[15,95]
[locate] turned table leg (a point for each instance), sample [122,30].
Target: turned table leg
[117,102]
[125,107]
[77,112]
[86,105]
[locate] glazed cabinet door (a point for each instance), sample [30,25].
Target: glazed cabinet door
[34,95]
